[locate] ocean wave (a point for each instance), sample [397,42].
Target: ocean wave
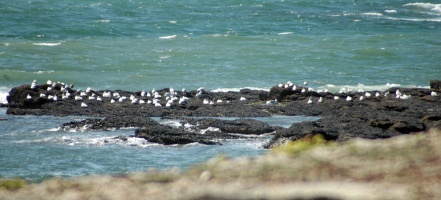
[238,89]
[44,72]
[355,88]
[428,6]
[4,92]
[168,37]
[372,14]
[49,44]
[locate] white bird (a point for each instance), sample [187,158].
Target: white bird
[303,90]
[404,96]
[49,82]
[168,105]
[294,87]
[50,97]
[271,102]
[367,94]
[199,95]
[361,98]
[84,105]
[134,101]
[377,94]
[42,95]
[205,101]
[149,101]
[280,85]
[201,89]
[184,91]
[386,94]
[305,83]
[55,98]
[143,93]
[336,97]
[49,89]
[83,94]
[243,98]
[211,103]
[29,96]
[433,93]
[131,97]
[88,89]
[34,84]
[78,98]
[183,100]
[348,98]
[148,94]
[219,101]
[158,104]
[91,97]
[141,101]
[309,100]
[320,100]
[112,101]
[99,99]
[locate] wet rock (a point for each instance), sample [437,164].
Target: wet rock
[435,84]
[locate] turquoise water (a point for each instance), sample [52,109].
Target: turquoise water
[225,45]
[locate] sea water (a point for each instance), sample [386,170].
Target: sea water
[219,45]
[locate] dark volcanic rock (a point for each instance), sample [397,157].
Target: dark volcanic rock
[168,135]
[380,116]
[435,84]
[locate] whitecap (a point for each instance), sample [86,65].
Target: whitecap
[390,11]
[372,14]
[238,89]
[167,37]
[43,72]
[47,44]
[4,92]
[285,33]
[427,6]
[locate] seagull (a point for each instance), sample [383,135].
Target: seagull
[243,98]
[34,84]
[336,97]
[219,101]
[348,98]
[305,83]
[271,102]
[49,82]
[280,85]
[55,98]
[303,90]
[367,94]
[294,87]
[433,93]
[112,101]
[88,89]
[78,98]
[84,105]
[377,94]
[309,100]
[91,97]
[361,98]
[143,93]
[141,101]
[49,89]
[99,99]
[205,101]
[320,100]
[29,96]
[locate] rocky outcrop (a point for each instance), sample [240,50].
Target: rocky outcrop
[344,115]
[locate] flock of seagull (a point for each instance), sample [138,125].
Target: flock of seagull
[290,85]
[152,97]
[172,97]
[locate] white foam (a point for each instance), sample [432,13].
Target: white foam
[285,33]
[238,89]
[390,11]
[4,92]
[168,37]
[44,72]
[49,44]
[427,6]
[372,14]
[335,88]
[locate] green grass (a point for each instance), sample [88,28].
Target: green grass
[12,184]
